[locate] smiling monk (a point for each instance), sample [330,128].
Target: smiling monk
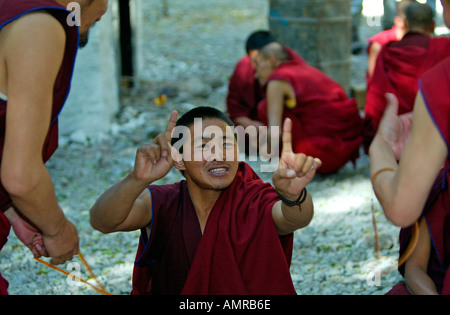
[222,230]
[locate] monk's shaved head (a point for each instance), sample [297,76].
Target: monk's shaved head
[403,5]
[275,50]
[420,17]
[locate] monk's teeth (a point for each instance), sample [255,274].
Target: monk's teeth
[218,170]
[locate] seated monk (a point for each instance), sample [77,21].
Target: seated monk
[401,64]
[222,230]
[396,33]
[326,124]
[244,90]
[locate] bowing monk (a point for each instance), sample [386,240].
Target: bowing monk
[222,230]
[396,33]
[37,54]
[401,64]
[326,124]
[244,90]
[418,185]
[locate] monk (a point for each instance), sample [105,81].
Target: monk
[401,64]
[326,124]
[222,230]
[417,185]
[396,33]
[244,90]
[37,54]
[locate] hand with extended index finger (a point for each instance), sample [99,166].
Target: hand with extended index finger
[154,160]
[295,170]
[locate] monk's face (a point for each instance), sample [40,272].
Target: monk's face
[263,68]
[91,12]
[213,160]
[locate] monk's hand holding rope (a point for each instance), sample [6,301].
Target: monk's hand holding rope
[28,233]
[295,170]
[155,160]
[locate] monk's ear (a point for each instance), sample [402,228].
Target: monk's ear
[432,27]
[178,160]
[273,62]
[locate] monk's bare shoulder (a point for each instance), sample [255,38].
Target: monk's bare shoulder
[31,30]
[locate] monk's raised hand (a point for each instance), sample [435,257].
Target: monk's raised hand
[153,161]
[395,129]
[295,170]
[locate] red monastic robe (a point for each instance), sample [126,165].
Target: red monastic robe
[435,88]
[10,11]
[399,67]
[244,90]
[239,252]
[326,124]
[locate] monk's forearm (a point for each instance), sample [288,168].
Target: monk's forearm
[419,283]
[36,199]
[383,173]
[114,205]
[293,218]
[298,217]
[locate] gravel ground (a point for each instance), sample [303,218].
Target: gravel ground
[334,255]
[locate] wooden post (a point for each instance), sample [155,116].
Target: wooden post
[319,30]
[126,39]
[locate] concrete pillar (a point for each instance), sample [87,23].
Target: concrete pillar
[94,96]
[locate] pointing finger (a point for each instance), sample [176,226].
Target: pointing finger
[171,124]
[287,136]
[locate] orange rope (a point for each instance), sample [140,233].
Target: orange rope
[100,288]
[412,244]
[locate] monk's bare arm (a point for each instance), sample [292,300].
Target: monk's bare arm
[276,93]
[403,192]
[32,67]
[416,277]
[126,206]
[374,51]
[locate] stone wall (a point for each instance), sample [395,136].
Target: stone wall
[94,96]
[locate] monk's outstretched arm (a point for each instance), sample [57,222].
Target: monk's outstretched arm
[126,206]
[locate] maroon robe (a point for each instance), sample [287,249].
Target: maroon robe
[435,88]
[239,252]
[244,90]
[399,67]
[10,11]
[325,123]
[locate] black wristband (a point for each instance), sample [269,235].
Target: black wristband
[301,199]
